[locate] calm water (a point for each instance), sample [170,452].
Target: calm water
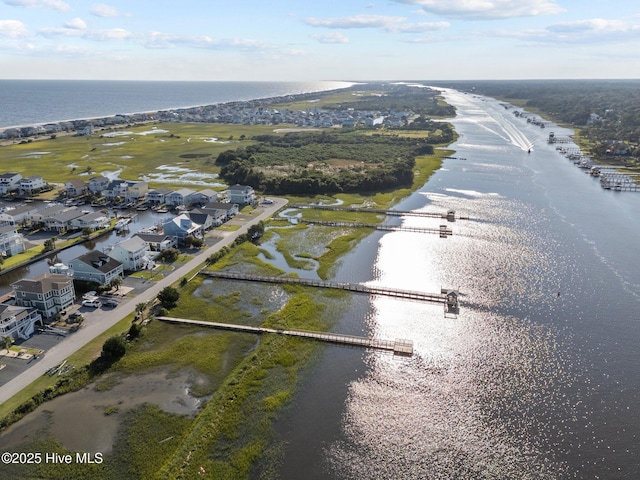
[30,102]
[537,377]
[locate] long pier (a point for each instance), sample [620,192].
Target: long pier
[450,215]
[397,347]
[444,297]
[443,230]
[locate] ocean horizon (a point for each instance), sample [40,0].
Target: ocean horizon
[37,102]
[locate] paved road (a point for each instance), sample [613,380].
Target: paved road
[101,320]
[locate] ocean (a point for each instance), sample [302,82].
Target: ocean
[33,102]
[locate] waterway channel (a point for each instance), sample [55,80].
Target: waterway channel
[537,377]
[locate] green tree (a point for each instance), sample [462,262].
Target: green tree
[168,297]
[140,308]
[116,282]
[114,349]
[6,342]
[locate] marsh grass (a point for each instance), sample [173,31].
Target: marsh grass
[134,155]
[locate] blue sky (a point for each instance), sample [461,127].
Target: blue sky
[319,40]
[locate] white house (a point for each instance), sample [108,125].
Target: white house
[95,266]
[18,322]
[182,226]
[9,182]
[11,242]
[19,215]
[75,188]
[179,197]
[49,293]
[31,185]
[133,253]
[158,242]
[93,220]
[62,220]
[157,196]
[204,196]
[220,210]
[98,184]
[241,194]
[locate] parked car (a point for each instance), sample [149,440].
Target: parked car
[93,303]
[90,295]
[111,303]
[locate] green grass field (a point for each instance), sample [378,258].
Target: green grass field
[135,155]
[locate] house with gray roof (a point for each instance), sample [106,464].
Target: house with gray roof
[93,220]
[75,188]
[9,182]
[133,253]
[63,220]
[95,266]
[158,242]
[49,293]
[18,322]
[182,226]
[19,215]
[241,194]
[11,242]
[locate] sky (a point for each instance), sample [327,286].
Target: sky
[289,40]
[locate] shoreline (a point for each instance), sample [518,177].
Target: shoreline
[270,99]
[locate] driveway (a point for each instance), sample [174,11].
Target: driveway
[101,320]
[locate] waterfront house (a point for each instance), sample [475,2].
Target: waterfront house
[75,188]
[98,267]
[46,210]
[157,196]
[133,253]
[158,242]
[98,184]
[93,220]
[18,322]
[136,191]
[241,194]
[32,185]
[201,218]
[11,242]
[182,226]
[221,210]
[49,293]
[9,182]
[20,215]
[179,197]
[62,221]
[203,197]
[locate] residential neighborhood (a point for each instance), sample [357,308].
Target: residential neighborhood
[254,112]
[96,205]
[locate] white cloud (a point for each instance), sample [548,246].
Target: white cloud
[76,23]
[358,21]
[487,9]
[590,31]
[331,37]
[13,29]
[55,4]
[98,35]
[382,22]
[102,10]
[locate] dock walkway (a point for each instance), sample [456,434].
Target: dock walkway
[397,347]
[441,298]
[450,215]
[443,230]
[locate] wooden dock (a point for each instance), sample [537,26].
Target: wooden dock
[444,297]
[443,230]
[449,298]
[397,347]
[449,215]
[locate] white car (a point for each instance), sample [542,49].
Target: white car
[93,303]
